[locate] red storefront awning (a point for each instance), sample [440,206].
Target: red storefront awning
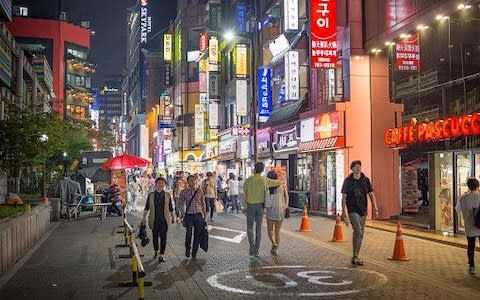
[323,144]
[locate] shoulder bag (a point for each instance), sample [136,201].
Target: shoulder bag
[184,221]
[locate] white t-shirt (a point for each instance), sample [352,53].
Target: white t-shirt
[233,189]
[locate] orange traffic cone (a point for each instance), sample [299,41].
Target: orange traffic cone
[305,226]
[399,249]
[338,231]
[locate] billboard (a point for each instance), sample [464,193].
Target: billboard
[407,53]
[323,37]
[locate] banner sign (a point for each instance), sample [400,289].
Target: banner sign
[213,121]
[292,80]
[240,130]
[286,140]
[167,47]
[433,131]
[407,52]
[323,36]
[241,97]
[244,149]
[307,130]
[290,14]
[241,17]
[264,94]
[213,50]
[203,98]
[327,125]
[213,85]
[200,110]
[227,144]
[202,82]
[203,41]
[145,22]
[168,73]
[241,60]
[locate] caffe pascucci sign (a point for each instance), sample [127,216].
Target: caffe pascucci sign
[431,131]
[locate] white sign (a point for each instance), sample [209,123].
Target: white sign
[192,56]
[244,149]
[279,45]
[200,110]
[241,95]
[213,114]
[227,145]
[307,130]
[145,22]
[292,80]
[291,14]
[203,98]
[213,50]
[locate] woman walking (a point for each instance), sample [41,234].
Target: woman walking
[276,203]
[134,190]
[469,205]
[233,192]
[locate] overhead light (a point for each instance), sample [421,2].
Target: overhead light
[422,27]
[405,35]
[388,43]
[464,6]
[441,17]
[376,50]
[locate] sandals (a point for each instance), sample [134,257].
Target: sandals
[356,261]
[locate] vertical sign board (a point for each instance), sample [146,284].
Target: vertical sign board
[264,94]
[145,21]
[168,74]
[323,37]
[213,50]
[213,83]
[407,53]
[199,123]
[167,47]
[203,41]
[241,95]
[241,17]
[241,61]
[213,114]
[292,80]
[290,8]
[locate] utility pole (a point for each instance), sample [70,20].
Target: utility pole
[254,110]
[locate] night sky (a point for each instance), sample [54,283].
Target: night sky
[108,18]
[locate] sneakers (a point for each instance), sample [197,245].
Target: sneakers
[356,261]
[274,250]
[155,255]
[471,270]
[187,253]
[161,259]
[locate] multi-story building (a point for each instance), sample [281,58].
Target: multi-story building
[110,99]
[65,46]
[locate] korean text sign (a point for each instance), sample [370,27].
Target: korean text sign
[264,93]
[407,53]
[323,36]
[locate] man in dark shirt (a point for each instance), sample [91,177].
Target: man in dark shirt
[355,189]
[160,213]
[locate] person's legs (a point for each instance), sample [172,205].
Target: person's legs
[471,250]
[177,208]
[134,202]
[235,203]
[278,226]
[250,221]
[155,234]
[163,238]
[358,225]
[211,205]
[270,230]
[197,224]
[258,226]
[188,237]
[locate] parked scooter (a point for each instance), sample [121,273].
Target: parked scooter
[112,195]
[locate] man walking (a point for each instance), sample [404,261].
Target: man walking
[355,189]
[192,203]
[255,189]
[210,189]
[178,186]
[159,210]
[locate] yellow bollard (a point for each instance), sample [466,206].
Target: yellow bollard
[141,288]
[27,208]
[134,269]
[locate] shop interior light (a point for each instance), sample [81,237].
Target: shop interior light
[376,50]
[422,27]
[388,43]
[405,35]
[441,17]
[464,6]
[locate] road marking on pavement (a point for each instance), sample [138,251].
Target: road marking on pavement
[329,278]
[237,239]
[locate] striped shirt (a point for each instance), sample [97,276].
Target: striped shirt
[198,203]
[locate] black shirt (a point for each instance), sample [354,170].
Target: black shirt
[356,191]
[159,202]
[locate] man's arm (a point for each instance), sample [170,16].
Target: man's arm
[273,182]
[245,195]
[145,211]
[204,205]
[374,203]
[344,206]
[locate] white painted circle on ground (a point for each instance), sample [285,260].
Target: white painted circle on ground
[319,279]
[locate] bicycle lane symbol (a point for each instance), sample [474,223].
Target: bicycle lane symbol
[295,280]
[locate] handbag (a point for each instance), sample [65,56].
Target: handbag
[184,220]
[219,206]
[204,237]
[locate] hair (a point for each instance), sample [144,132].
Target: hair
[160,179]
[231,176]
[209,174]
[472,184]
[272,175]
[259,167]
[354,163]
[191,176]
[240,178]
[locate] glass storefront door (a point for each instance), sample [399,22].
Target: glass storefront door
[443,191]
[464,171]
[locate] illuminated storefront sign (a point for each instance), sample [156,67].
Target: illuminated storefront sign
[227,144]
[241,60]
[213,50]
[241,17]
[244,149]
[168,73]
[286,139]
[290,14]
[203,42]
[407,53]
[213,85]
[213,121]
[264,94]
[145,21]
[325,131]
[200,110]
[327,125]
[264,143]
[292,80]
[240,131]
[167,47]
[432,131]
[241,97]
[323,36]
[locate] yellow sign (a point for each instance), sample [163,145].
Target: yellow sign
[167,47]
[213,50]
[202,65]
[241,60]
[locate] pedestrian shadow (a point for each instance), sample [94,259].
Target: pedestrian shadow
[182,272]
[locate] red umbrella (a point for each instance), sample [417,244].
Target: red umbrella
[125,161]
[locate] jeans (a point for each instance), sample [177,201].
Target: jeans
[235,203]
[254,215]
[274,232]
[194,223]
[177,208]
[211,206]
[358,225]
[471,249]
[160,230]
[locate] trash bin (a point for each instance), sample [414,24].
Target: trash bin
[55,202]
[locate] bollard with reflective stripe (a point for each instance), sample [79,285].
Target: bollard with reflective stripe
[134,268]
[141,288]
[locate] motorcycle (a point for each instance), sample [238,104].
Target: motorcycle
[112,195]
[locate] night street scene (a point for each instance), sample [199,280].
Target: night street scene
[239,149]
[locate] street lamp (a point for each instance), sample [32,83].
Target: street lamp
[65,164]
[44,139]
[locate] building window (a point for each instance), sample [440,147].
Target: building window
[23,11]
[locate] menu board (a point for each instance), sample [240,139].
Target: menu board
[410,189]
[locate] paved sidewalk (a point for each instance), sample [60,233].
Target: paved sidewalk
[80,261]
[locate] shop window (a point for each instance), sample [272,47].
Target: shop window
[443,191]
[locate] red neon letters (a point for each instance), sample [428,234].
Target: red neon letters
[433,131]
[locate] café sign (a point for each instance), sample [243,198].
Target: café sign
[433,131]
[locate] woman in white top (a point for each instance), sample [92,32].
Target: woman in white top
[276,203]
[468,205]
[233,192]
[134,189]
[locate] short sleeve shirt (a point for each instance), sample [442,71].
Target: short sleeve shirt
[356,191]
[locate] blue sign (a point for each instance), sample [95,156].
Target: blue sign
[264,94]
[241,17]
